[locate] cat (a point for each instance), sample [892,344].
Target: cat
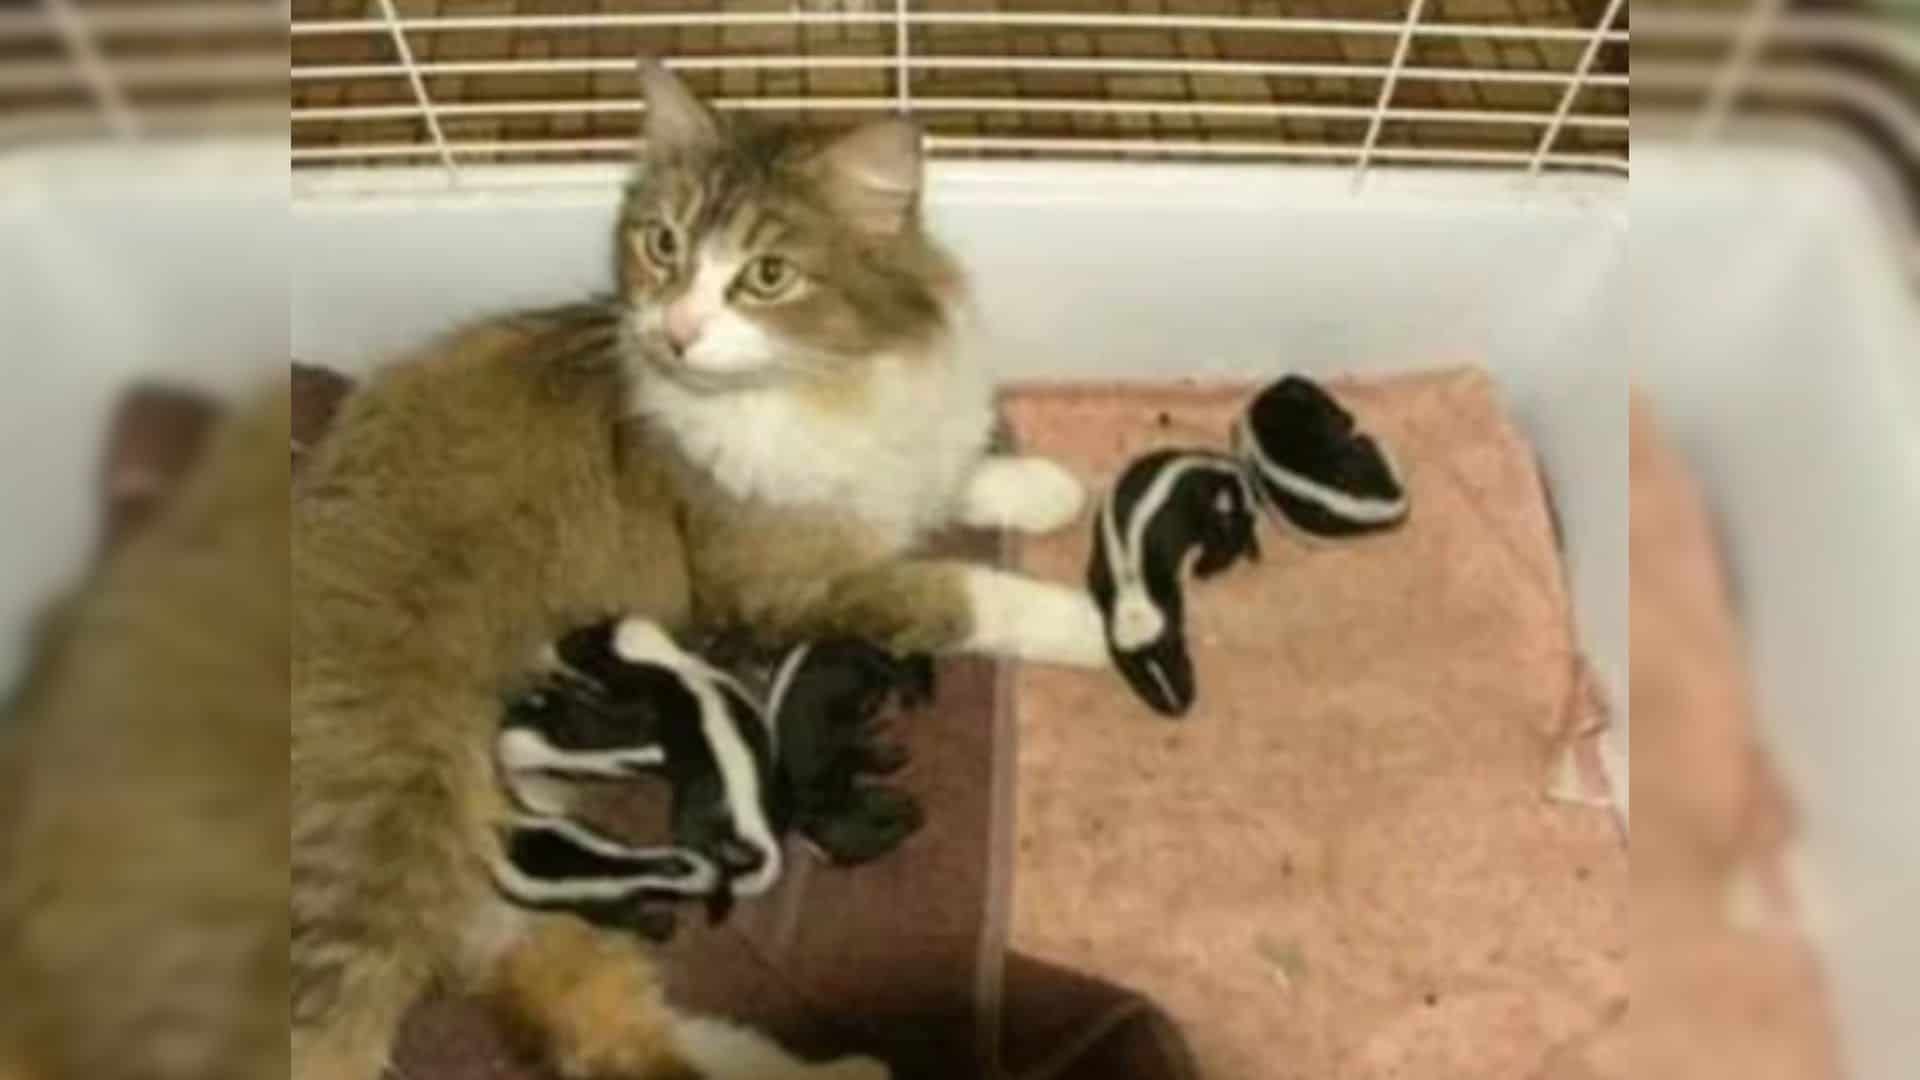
[143,792]
[753,434]
[806,351]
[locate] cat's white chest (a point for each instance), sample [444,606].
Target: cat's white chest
[897,460]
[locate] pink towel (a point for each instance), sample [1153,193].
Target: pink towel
[1343,864]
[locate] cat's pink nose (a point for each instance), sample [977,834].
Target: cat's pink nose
[683,325]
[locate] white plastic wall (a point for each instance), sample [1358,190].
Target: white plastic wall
[112,265]
[1781,343]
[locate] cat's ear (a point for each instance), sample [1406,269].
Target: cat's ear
[677,122]
[872,175]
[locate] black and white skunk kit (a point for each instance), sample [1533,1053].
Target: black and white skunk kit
[625,703]
[1296,453]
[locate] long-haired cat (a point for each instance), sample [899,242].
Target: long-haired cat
[754,435]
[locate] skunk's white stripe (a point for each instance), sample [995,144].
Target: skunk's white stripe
[1137,620]
[782,684]
[740,777]
[642,641]
[1355,508]
[539,793]
[523,749]
[535,771]
[541,892]
[1132,628]
[535,890]
[727,679]
[1160,676]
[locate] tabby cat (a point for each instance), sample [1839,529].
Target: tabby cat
[774,409]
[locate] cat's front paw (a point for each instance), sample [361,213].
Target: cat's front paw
[1026,494]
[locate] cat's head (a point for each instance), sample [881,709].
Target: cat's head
[749,254]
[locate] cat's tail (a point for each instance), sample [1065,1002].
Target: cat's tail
[387,866]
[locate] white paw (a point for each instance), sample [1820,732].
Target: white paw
[852,1068]
[1028,494]
[1040,621]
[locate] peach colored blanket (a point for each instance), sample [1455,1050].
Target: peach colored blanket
[1342,864]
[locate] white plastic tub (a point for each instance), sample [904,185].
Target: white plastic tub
[1772,333]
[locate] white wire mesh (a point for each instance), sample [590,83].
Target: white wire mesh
[391,19]
[125,69]
[1383,105]
[1582,72]
[1358,82]
[84,54]
[464,85]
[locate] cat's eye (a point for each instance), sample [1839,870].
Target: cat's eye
[769,276]
[663,244]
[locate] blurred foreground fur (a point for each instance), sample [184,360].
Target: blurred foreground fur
[143,794]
